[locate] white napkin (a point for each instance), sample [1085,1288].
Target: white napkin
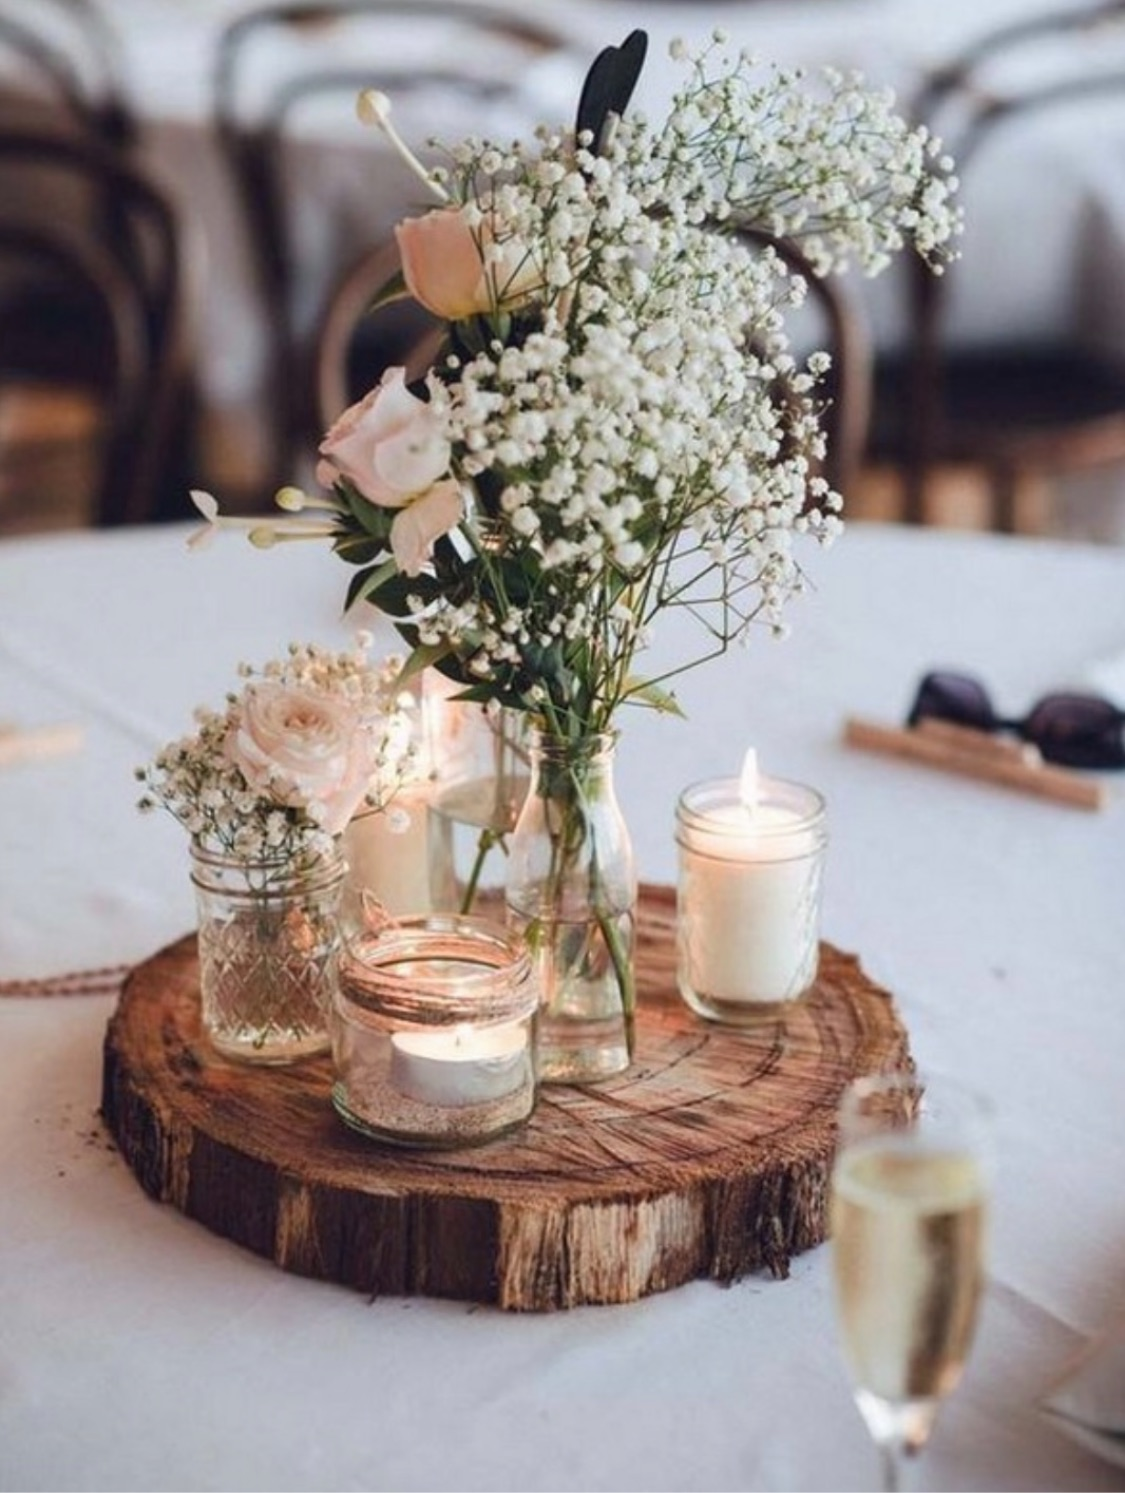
[1087,1401]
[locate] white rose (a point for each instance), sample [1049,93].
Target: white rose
[305,749]
[391,446]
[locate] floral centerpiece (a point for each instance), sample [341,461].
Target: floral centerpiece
[264,788]
[616,425]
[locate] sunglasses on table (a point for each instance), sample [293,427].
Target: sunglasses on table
[1073,730]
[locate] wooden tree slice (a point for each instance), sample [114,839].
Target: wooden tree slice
[709,1158]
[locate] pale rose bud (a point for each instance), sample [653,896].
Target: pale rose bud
[391,445]
[305,749]
[424,520]
[456,270]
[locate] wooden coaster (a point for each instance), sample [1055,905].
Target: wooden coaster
[710,1157]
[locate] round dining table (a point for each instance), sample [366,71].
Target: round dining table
[138,1350]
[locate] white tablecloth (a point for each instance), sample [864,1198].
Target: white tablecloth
[137,1351]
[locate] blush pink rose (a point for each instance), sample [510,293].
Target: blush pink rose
[456,270]
[421,522]
[303,749]
[391,445]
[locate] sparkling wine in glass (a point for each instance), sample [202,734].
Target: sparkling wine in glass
[910,1192]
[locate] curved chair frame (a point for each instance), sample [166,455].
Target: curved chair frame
[929,433]
[139,283]
[254,149]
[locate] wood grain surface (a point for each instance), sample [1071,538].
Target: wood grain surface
[710,1157]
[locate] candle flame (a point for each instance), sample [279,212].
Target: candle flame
[748,782]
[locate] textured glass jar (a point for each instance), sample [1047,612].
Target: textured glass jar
[432,1032]
[572,894]
[269,936]
[748,897]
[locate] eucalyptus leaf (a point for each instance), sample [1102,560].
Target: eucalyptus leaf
[652,694]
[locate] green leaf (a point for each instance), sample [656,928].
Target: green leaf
[397,589]
[369,516]
[652,694]
[365,582]
[423,656]
[394,289]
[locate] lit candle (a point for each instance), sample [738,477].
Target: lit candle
[748,915]
[387,852]
[465,1065]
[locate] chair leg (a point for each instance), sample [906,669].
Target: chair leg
[914,487]
[1004,481]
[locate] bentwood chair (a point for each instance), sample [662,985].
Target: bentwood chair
[67,53]
[84,314]
[1024,408]
[841,329]
[285,71]
[349,363]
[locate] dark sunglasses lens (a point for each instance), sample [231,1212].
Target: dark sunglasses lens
[1078,731]
[952,697]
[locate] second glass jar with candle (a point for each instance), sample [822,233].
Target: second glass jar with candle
[748,897]
[432,1032]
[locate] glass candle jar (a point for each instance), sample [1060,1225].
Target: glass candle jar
[432,1032]
[748,896]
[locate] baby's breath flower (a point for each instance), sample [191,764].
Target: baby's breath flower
[633,431]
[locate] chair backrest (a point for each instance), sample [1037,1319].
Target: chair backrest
[345,46]
[847,341]
[135,284]
[1012,74]
[353,346]
[69,51]
[404,334]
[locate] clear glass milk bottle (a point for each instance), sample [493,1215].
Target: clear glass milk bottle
[572,893]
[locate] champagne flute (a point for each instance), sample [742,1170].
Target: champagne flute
[909,1218]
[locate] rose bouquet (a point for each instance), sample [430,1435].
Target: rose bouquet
[264,788]
[616,424]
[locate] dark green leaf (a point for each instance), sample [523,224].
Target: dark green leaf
[366,582]
[395,289]
[610,83]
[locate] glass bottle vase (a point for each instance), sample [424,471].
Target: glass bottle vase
[269,936]
[572,892]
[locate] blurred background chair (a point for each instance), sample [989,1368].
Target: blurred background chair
[355,345]
[285,70]
[1022,410]
[67,52]
[88,320]
[840,327]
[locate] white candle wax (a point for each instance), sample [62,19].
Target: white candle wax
[465,1065]
[388,852]
[749,895]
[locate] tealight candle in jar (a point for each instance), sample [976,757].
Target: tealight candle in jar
[432,1032]
[751,856]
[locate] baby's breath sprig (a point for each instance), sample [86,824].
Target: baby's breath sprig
[617,423]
